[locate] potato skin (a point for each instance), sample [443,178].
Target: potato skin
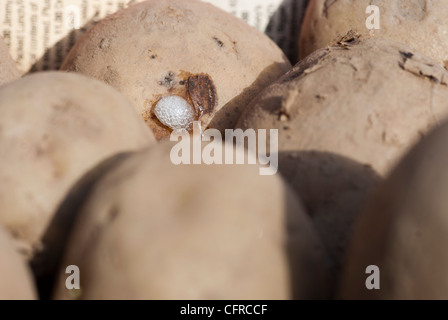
[406,21]
[8,69]
[153,230]
[404,229]
[345,116]
[54,127]
[151,49]
[15,276]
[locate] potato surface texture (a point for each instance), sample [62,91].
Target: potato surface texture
[15,276]
[154,230]
[54,127]
[420,24]
[345,115]
[160,48]
[404,229]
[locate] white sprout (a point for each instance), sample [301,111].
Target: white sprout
[174,112]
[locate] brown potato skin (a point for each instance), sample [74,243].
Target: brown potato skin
[55,126]
[346,114]
[15,276]
[404,231]
[153,230]
[151,49]
[407,21]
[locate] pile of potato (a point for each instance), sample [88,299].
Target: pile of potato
[88,191]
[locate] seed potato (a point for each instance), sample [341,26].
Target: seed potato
[345,115]
[404,230]
[153,230]
[54,127]
[420,24]
[191,49]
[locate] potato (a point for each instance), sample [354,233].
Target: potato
[406,21]
[345,115]
[404,229]
[54,127]
[45,263]
[212,60]
[8,69]
[154,230]
[15,277]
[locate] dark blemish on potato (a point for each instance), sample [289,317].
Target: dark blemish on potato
[152,54]
[168,81]
[219,42]
[430,77]
[348,39]
[202,93]
[421,68]
[235,49]
[327,5]
[181,82]
[406,55]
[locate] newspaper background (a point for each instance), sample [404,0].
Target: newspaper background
[39,33]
